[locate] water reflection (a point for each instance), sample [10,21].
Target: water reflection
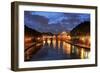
[53,49]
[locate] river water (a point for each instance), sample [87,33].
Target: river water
[58,50]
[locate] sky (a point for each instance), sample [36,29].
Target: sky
[54,22]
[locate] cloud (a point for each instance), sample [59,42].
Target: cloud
[36,18]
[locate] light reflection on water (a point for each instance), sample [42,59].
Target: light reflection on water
[57,49]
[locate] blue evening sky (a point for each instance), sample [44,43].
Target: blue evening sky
[54,22]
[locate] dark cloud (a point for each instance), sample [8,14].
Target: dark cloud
[40,19]
[36,18]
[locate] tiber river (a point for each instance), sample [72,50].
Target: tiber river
[58,50]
